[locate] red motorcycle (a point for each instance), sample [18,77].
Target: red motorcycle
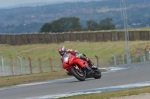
[80,68]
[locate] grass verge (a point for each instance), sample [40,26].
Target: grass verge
[111,94]
[44,51]
[23,79]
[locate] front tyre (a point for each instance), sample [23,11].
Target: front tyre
[79,73]
[97,74]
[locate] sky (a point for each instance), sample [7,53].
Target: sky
[10,3]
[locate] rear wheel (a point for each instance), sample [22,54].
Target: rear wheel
[78,72]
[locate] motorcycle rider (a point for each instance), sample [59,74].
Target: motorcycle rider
[62,51]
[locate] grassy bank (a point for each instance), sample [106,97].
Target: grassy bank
[111,94]
[44,51]
[23,79]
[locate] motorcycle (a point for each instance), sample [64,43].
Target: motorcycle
[80,68]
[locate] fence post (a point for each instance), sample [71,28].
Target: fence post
[127,56]
[2,65]
[115,63]
[30,65]
[11,64]
[97,61]
[51,65]
[40,65]
[20,63]
[144,58]
[123,59]
[141,58]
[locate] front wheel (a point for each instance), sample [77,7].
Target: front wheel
[97,74]
[78,72]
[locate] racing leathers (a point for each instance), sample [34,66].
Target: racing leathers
[82,56]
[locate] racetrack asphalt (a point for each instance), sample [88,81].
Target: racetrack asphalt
[120,75]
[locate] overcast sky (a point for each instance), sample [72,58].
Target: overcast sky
[8,3]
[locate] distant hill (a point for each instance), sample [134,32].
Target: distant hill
[24,17]
[43,3]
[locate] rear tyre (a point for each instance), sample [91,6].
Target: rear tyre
[80,73]
[97,74]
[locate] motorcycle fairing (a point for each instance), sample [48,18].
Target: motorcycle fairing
[80,62]
[70,60]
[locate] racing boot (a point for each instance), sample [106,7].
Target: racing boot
[89,62]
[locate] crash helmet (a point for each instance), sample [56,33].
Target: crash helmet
[62,50]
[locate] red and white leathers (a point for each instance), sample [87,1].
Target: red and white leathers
[82,56]
[71,51]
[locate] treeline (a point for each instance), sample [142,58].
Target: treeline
[66,24]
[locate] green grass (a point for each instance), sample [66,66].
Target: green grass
[44,51]
[111,94]
[141,28]
[22,79]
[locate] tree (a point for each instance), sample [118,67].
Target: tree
[62,25]
[74,24]
[46,27]
[106,24]
[92,25]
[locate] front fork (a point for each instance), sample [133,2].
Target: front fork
[76,67]
[89,69]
